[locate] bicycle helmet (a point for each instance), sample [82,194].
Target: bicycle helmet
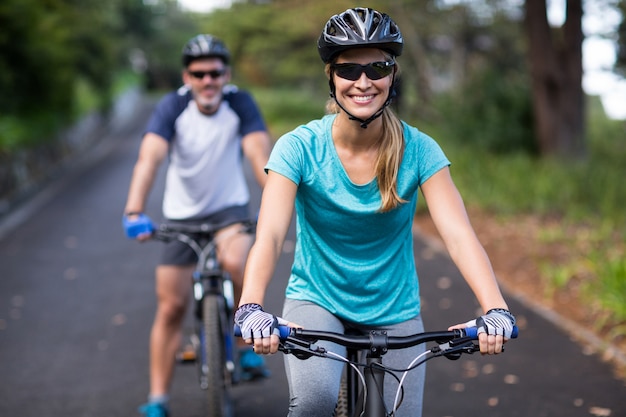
[202,46]
[359,27]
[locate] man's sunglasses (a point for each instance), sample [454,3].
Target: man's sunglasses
[213,73]
[373,70]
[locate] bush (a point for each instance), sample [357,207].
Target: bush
[492,112]
[285,109]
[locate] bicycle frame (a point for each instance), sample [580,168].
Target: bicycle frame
[210,278]
[213,296]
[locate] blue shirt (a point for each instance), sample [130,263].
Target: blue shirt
[350,258]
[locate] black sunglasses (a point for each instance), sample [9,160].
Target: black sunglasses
[217,73]
[373,70]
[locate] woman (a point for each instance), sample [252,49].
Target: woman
[354,177]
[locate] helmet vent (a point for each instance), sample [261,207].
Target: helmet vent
[358,28]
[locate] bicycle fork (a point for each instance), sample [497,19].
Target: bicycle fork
[220,284]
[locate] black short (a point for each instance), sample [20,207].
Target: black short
[178,253]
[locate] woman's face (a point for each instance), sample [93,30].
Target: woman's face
[363,96]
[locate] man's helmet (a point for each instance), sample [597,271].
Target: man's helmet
[204,46]
[359,27]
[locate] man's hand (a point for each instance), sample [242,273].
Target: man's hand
[137,226]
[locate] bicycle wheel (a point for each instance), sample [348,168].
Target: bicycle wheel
[218,377]
[341,409]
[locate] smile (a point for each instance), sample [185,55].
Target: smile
[362,99]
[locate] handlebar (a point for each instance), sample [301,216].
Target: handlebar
[302,343]
[170,231]
[365,341]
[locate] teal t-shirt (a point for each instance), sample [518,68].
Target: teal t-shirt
[351,259]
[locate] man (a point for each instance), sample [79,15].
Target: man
[204,128]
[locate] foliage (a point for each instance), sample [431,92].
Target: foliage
[608,293]
[593,265]
[34,68]
[274,44]
[518,182]
[284,109]
[489,107]
[492,112]
[171,29]
[59,58]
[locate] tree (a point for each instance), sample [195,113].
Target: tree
[555,58]
[621,39]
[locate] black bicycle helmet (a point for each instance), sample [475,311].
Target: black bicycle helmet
[359,27]
[202,46]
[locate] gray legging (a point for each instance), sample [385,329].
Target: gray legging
[314,383]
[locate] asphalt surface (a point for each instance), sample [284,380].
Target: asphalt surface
[77,301]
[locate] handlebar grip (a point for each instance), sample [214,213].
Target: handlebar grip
[472,332]
[285,331]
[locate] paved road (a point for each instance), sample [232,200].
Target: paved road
[76,303]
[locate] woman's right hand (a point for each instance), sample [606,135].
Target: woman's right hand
[259,328]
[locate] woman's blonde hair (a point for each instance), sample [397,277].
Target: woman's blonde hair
[389,154]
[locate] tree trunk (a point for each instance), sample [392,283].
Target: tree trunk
[555,57]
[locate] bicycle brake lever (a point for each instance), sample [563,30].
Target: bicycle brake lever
[297,351]
[302,352]
[454,350]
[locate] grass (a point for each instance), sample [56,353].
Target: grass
[579,191]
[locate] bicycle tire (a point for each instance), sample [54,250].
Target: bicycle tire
[218,377]
[341,408]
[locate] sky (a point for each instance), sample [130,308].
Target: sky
[598,54]
[204,5]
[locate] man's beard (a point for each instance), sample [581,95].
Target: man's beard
[209,105]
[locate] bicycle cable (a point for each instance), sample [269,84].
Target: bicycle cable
[414,363]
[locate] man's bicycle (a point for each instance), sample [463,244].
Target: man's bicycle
[213,298]
[365,398]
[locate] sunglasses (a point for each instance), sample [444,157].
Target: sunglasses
[373,70]
[214,74]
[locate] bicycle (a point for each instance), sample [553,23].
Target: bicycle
[366,399]
[213,298]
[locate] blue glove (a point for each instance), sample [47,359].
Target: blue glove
[137,226]
[497,321]
[256,323]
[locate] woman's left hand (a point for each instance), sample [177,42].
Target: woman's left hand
[494,329]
